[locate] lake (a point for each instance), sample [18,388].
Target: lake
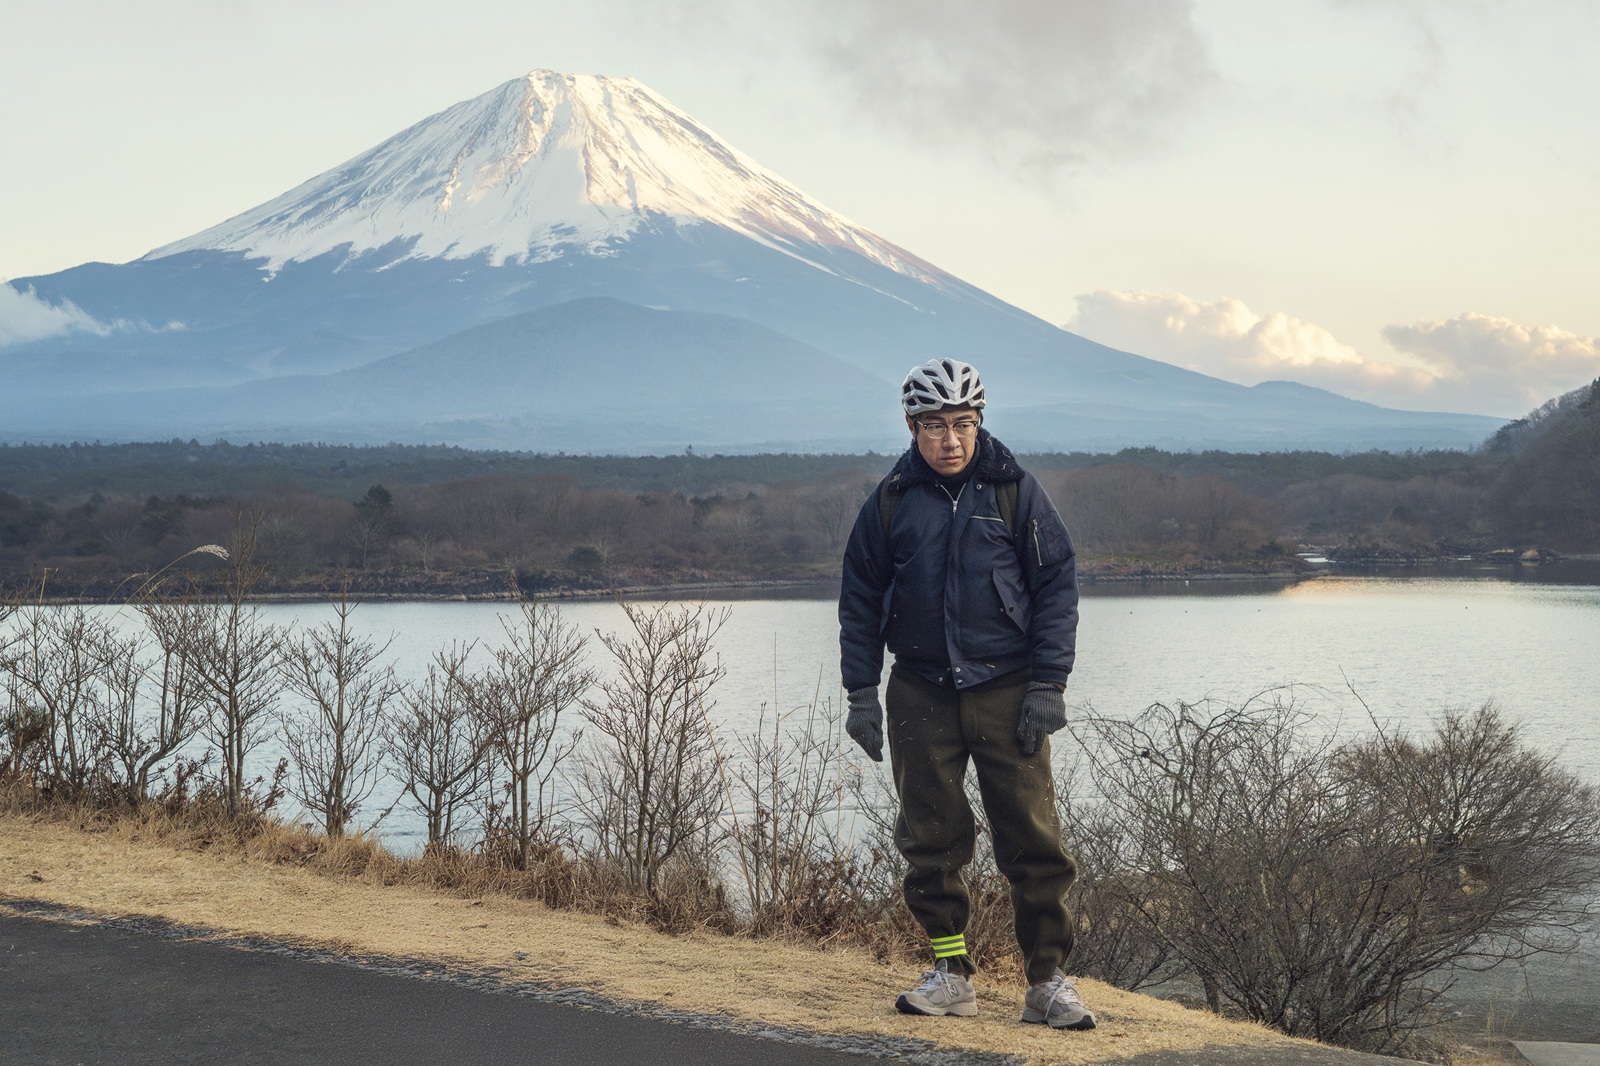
[1408,646]
[1348,648]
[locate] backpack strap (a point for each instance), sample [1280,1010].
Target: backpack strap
[887,502]
[1005,494]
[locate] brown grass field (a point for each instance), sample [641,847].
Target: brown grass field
[121,869]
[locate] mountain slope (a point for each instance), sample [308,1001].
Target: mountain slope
[572,191]
[536,166]
[590,374]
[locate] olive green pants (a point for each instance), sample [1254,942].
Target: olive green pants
[933,733]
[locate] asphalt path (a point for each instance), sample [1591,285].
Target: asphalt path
[100,994]
[81,990]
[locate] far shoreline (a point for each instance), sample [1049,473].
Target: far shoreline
[1120,577]
[785,588]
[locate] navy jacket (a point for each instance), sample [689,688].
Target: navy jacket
[947,591]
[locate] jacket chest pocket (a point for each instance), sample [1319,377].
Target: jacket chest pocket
[1014,600]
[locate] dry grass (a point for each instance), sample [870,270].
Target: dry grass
[293,886]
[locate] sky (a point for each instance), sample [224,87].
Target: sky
[1397,200]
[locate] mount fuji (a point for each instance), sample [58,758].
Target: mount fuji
[568,262]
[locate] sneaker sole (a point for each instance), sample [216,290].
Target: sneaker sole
[1034,1017]
[958,1010]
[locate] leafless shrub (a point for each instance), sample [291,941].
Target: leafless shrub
[519,698]
[52,668]
[24,726]
[24,736]
[116,715]
[788,797]
[651,783]
[1509,841]
[438,745]
[234,652]
[334,741]
[1110,900]
[176,716]
[1327,890]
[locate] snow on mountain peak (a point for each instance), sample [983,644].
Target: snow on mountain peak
[535,168]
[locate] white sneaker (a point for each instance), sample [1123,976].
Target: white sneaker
[1056,1003]
[941,992]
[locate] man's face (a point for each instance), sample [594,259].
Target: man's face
[947,451]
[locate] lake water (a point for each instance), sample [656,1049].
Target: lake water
[1408,647]
[1402,648]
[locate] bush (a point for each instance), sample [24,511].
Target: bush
[1331,890]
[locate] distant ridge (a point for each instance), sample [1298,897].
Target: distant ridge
[361,306]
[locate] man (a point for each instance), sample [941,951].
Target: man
[960,565]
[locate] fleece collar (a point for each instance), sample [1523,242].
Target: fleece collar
[994,463]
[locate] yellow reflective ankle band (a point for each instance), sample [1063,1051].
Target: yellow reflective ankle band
[945,947]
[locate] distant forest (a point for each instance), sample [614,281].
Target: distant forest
[427,520]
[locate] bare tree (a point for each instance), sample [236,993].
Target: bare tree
[788,783]
[53,667]
[1328,890]
[334,740]
[426,544]
[234,653]
[835,511]
[438,744]
[114,711]
[535,676]
[652,782]
[1111,897]
[177,715]
[24,724]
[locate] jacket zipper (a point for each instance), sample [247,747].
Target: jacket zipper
[1037,553]
[956,499]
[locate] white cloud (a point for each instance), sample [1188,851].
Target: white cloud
[1526,364]
[1474,362]
[26,317]
[1047,86]
[1224,337]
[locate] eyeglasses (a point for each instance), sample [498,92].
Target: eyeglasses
[964,427]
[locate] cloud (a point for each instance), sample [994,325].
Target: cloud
[1224,337]
[1049,86]
[1473,362]
[26,317]
[1528,363]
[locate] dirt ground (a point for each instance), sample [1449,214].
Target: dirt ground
[115,873]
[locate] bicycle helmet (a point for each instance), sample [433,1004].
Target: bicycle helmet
[941,383]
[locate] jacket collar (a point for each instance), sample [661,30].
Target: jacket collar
[994,462]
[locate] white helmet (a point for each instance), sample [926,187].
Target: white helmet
[941,383]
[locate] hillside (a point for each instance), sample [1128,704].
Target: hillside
[1549,490]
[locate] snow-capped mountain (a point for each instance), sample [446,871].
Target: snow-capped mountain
[570,262]
[539,166]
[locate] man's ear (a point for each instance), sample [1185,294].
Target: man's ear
[911,424]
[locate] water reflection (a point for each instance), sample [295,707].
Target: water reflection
[1581,571]
[1578,571]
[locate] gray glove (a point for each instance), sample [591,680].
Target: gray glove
[1044,710]
[865,723]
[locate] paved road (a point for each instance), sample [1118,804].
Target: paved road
[130,992]
[74,994]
